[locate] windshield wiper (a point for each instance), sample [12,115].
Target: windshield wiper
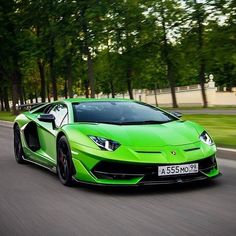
[99,122]
[145,122]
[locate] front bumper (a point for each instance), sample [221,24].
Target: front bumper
[169,182]
[126,174]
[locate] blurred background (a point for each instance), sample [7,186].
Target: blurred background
[167,53]
[178,55]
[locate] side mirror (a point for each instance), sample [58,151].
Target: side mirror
[177,114]
[49,118]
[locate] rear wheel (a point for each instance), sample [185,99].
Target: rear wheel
[18,149]
[64,162]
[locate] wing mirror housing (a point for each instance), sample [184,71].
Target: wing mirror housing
[48,118]
[177,114]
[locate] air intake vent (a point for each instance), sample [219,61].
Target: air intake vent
[148,152]
[191,149]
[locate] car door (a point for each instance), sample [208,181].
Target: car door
[47,135]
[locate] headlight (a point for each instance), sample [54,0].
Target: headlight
[105,144]
[205,137]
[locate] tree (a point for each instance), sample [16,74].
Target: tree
[200,14]
[88,47]
[168,18]
[125,37]
[11,45]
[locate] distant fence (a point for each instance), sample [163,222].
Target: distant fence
[186,96]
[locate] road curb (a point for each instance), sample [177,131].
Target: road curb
[226,149]
[4,123]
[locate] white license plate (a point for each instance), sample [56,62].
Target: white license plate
[178,169]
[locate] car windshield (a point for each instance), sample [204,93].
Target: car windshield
[121,113]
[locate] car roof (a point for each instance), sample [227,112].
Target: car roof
[78,100]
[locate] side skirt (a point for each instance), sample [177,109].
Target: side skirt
[52,169]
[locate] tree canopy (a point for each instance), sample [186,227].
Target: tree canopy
[52,48]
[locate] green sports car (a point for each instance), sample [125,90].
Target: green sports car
[114,142]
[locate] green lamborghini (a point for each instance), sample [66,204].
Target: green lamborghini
[114,142]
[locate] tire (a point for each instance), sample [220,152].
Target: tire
[64,162]
[18,149]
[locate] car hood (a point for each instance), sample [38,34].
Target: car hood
[153,135]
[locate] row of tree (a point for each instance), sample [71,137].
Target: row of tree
[51,48]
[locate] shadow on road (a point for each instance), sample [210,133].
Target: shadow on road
[149,190]
[134,190]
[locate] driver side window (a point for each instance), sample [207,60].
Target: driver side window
[61,114]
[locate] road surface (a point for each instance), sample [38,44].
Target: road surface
[33,202]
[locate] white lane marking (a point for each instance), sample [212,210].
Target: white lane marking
[226,149]
[226,162]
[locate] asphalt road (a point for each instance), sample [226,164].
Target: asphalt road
[33,202]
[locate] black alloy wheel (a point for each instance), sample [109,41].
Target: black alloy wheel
[18,149]
[64,162]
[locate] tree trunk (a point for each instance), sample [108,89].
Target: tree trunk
[1,98]
[48,92]
[90,73]
[31,98]
[129,83]
[15,94]
[6,100]
[172,84]
[87,52]
[41,68]
[112,89]
[86,86]
[202,84]
[16,85]
[202,66]
[42,80]
[36,95]
[69,79]
[110,72]
[52,70]
[155,93]
[166,56]
[24,95]
[2,104]
[19,86]
[65,89]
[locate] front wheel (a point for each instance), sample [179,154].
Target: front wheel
[18,149]
[64,162]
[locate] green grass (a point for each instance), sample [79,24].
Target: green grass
[221,127]
[4,115]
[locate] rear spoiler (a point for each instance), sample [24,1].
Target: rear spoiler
[30,106]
